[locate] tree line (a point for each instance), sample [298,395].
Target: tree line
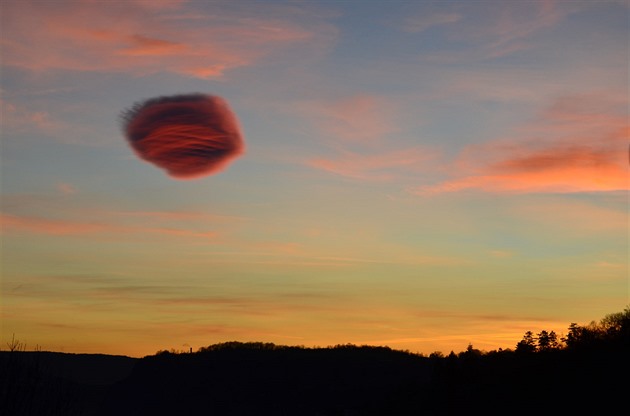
[612,329]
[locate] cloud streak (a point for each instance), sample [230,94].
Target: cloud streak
[585,150]
[139,37]
[379,167]
[362,132]
[355,119]
[417,24]
[62,227]
[504,29]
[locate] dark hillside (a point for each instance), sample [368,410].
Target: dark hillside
[50,383]
[261,379]
[93,369]
[544,383]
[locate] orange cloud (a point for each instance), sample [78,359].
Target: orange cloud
[60,227]
[555,158]
[585,150]
[142,45]
[179,215]
[44,226]
[141,37]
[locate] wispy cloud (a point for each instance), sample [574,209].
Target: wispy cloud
[578,144]
[141,37]
[380,166]
[20,118]
[47,226]
[359,118]
[66,188]
[142,45]
[504,29]
[180,215]
[573,218]
[516,24]
[416,24]
[61,227]
[361,134]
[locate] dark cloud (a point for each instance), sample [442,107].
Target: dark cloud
[189,135]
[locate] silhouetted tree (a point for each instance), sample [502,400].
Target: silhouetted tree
[573,336]
[527,344]
[612,329]
[547,341]
[470,352]
[616,326]
[543,340]
[554,344]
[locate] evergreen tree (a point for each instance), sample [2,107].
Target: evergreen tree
[527,344]
[543,340]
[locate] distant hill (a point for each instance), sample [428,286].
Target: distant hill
[264,379]
[91,369]
[51,383]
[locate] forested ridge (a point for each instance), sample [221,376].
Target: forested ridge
[584,371]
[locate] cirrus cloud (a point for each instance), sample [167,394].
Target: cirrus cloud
[379,166]
[66,227]
[142,37]
[578,144]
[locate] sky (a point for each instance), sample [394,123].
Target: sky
[422,175]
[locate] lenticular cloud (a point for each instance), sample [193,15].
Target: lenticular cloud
[188,135]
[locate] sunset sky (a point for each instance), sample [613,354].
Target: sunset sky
[417,174]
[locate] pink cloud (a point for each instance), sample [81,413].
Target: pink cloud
[585,150]
[381,166]
[66,188]
[360,118]
[19,118]
[142,37]
[361,131]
